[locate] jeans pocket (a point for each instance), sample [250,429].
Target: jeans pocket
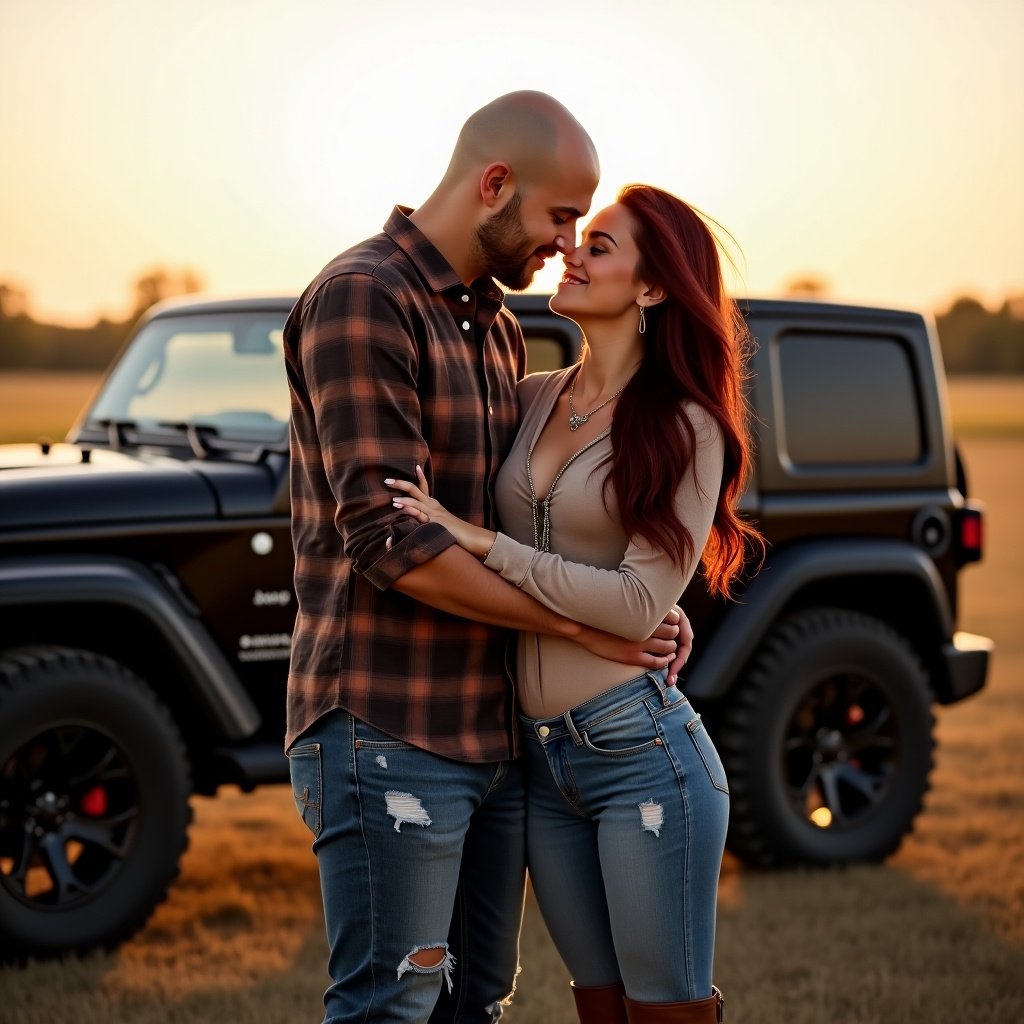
[623,733]
[708,754]
[307,787]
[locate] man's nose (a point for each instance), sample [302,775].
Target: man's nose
[566,244]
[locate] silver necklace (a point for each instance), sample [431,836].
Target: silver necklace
[576,420]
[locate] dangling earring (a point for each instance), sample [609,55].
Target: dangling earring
[643,322]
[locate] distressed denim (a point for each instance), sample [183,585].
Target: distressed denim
[627,809]
[415,852]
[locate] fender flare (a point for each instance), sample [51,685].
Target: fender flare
[745,623]
[88,580]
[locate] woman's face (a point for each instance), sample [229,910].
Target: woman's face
[600,274]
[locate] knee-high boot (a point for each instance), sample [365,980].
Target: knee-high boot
[600,1004]
[693,1011]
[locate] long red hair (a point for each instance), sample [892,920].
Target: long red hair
[694,349]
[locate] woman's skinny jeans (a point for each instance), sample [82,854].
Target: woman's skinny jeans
[627,808]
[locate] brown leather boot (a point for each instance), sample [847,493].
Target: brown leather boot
[600,1004]
[693,1011]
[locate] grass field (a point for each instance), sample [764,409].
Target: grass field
[34,405]
[934,935]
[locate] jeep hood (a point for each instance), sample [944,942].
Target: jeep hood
[56,488]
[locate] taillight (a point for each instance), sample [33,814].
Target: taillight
[970,533]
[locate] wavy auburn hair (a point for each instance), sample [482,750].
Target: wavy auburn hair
[694,350]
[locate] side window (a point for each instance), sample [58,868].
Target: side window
[846,400]
[545,353]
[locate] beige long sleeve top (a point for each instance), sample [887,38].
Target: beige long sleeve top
[592,572]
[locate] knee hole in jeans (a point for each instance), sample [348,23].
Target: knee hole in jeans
[427,960]
[430,957]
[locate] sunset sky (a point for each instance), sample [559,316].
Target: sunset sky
[879,145]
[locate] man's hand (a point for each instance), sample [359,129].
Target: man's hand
[684,640]
[652,653]
[668,646]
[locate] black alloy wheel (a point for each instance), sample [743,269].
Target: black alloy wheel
[827,742]
[840,750]
[69,810]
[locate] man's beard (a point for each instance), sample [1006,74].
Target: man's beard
[502,247]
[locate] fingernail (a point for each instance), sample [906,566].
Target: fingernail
[397,504]
[389,480]
[672,680]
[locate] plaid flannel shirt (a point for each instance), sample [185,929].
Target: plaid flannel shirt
[392,362]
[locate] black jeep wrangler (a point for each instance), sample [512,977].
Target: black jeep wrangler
[146,603]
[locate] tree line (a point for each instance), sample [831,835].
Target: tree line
[974,339]
[28,344]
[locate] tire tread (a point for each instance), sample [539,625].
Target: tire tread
[20,669]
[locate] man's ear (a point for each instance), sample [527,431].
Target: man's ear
[494,183]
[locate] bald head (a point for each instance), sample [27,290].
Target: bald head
[531,132]
[522,174]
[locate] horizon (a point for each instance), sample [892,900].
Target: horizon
[874,149]
[1014,302]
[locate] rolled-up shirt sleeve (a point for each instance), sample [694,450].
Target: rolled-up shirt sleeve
[360,363]
[631,600]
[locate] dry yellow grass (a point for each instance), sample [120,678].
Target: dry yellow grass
[34,405]
[990,405]
[935,935]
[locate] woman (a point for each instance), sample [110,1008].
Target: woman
[627,466]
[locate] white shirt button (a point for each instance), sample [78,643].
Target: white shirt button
[465,325]
[543,731]
[465,298]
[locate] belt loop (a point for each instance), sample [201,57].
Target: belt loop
[567,718]
[660,685]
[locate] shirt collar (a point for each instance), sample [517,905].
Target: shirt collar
[425,257]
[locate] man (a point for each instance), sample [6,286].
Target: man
[401,733]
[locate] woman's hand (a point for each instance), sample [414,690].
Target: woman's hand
[415,500]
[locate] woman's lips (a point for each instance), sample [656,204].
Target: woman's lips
[568,278]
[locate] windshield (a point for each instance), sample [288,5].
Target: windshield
[224,372]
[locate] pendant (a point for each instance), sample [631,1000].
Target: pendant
[576,421]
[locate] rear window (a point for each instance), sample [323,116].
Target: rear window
[847,400]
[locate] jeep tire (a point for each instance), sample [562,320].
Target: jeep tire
[827,742]
[94,801]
